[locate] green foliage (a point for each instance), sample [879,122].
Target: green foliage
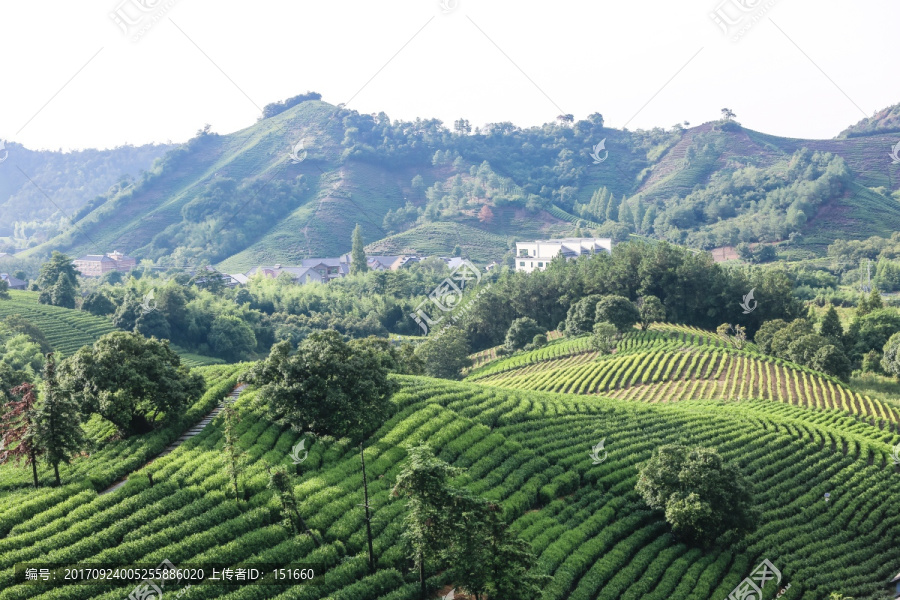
[582,315]
[890,360]
[619,311]
[445,355]
[831,327]
[98,304]
[702,496]
[651,310]
[57,421]
[604,337]
[522,332]
[327,387]
[133,382]
[358,262]
[231,337]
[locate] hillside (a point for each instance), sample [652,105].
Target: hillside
[61,184]
[68,330]
[240,199]
[527,451]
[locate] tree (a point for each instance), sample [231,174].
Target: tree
[462,127]
[486,215]
[604,338]
[890,360]
[98,304]
[17,429]
[358,262]
[63,292]
[4,289]
[582,315]
[152,323]
[804,348]
[327,387]
[131,381]
[875,302]
[233,453]
[231,337]
[521,332]
[831,360]
[830,327]
[702,496]
[445,355]
[58,264]
[423,482]
[728,114]
[282,483]
[619,311]
[539,340]
[650,310]
[57,421]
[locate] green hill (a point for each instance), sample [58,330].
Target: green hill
[239,199]
[526,451]
[68,330]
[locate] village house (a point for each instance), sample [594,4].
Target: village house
[14,284]
[95,265]
[537,255]
[323,270]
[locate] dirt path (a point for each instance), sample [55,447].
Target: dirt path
[185,436]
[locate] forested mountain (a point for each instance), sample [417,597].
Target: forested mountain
[295,184]
[41,189]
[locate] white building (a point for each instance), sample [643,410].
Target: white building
[538,254]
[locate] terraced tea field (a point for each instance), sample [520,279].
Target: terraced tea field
[526,450]
[654,366]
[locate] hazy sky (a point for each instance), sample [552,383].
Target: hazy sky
[72,78]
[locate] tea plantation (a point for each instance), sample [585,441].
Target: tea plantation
[526,450]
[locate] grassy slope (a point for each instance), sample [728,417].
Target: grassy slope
[68,330]
[528,452]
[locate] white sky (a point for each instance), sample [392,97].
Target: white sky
[70,78]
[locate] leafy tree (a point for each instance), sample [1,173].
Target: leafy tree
[57,421]
[131,381]
[17,429]
[20,324]
[875,302]
[327,387]
[521,332]
[582,315]
[832,360]
[619,311]
[4,290]
[445,355]
[539,340]
[766,334]
[890,360]
[358,262]
[282,483]
[702,496]
[486,215]
[152,323]
[873,330]
[59,264]
[604,337]
[831,328]
[98,304]
[651,310]
[397,360]
[63,292]
[233,453]
[231,338]
[871,362]
[803,349]
[728,114]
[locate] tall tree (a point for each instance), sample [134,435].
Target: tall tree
[50,271]
[63,292]
[57,421]
[233,453]
[283,484]
[17,428]
[358,253]
[831,326]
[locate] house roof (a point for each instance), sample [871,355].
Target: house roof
[895,579]
[95,258]
[12,281]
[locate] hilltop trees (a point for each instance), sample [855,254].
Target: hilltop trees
[702,496]
[131,381]
[619,311]
[327,387]
[57,421]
